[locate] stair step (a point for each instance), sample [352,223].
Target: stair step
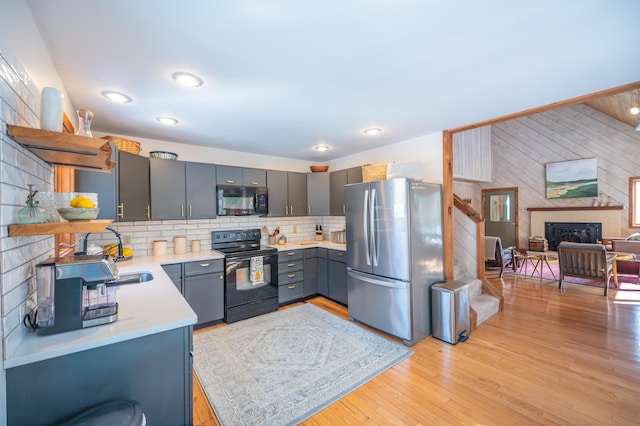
[485,306]
[475,286]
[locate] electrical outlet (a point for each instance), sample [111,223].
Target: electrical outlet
[295,229]
[126,239]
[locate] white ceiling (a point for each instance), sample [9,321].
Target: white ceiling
[283,76]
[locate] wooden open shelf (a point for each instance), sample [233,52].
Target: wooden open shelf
[19,230]
[65,149]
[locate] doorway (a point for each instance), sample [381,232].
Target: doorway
[500,212]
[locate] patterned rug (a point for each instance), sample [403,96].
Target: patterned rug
[626,282]
[283,367]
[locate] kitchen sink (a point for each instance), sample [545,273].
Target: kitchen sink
[133,278]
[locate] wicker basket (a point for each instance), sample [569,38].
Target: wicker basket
[371,172]
[125,144]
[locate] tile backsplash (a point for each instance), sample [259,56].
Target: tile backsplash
[142,234]
[19,105]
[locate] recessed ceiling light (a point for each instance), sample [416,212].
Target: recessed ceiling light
[118,97]
[169,121]
[186,79]
[321,148]
[372,131]
[635,110]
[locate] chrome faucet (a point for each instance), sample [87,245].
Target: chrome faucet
[118,258]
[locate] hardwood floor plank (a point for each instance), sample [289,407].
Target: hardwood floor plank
[551,357]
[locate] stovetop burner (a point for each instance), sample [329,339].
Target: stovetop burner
[238,242]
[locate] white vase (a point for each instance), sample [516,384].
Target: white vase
[51,109]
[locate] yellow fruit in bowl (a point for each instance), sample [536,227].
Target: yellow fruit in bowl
[82,202]
[85,204]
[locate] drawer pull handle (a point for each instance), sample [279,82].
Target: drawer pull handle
[204,265]
[291,253]
[291,275]
[339,254]
[291,265]
[292,287]
[221,277]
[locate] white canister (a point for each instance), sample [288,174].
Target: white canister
[51,109]
[180,245]
[195,246]
[159,248]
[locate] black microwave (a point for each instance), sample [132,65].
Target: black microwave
[242,200]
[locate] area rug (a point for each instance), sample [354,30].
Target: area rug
[625,282]
[285,366]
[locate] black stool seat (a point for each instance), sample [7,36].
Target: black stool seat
[114,413]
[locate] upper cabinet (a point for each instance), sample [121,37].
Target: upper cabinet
[122,195]
[182,190]
[241,176]
[287,193]
[318,194]
[338,180]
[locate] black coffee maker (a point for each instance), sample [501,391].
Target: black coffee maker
[76,292]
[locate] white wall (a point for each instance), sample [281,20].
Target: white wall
[426,149]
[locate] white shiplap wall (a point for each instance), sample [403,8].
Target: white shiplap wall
[522,147]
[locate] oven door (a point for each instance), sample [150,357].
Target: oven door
[240,289]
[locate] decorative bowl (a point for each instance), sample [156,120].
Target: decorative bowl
[316,169]
[163,155]
[71,213]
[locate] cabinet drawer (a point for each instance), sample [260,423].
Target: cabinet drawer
[203,267]
[287,293]
[338,256]
[290,265]
[287,255]
[290,277]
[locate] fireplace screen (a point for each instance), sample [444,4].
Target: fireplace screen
[575,232]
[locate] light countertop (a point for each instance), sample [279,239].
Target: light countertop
[143,309]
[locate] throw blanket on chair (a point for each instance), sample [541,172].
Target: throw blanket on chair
[490,247]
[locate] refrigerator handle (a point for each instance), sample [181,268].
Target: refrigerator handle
[372,227]
[365,225]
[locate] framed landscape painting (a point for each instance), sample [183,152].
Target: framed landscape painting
[572,179]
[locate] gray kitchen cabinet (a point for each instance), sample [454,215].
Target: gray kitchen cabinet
[241,176]
[133,187]
[254,177]
[315,272]
[337,276]
[287,193]
[290,276]
[168,189]
[155,370]
[182,190]
[124,194]
[318,194]
[203,288]
[201,191]
[338,180]
[175,274]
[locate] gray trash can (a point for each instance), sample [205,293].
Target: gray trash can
[450,311]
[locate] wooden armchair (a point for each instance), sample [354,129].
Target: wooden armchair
[495,255]
[581,260]
[631,265]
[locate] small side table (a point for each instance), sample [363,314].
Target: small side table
[542,258]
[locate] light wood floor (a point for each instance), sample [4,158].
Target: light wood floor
[549,358]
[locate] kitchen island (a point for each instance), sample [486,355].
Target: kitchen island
[144,356]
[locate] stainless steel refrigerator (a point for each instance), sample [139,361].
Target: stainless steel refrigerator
[394,255]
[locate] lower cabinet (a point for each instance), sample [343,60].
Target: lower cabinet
[290,276]
[202,285]
[154,370]
[337,276]
[304,273]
